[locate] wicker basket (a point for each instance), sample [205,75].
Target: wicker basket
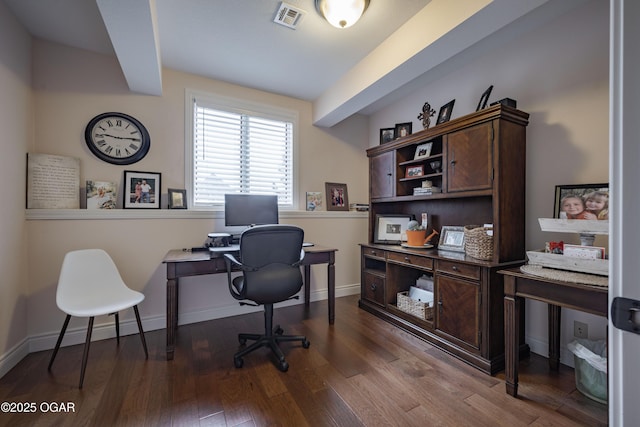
[477,243]
[416,308]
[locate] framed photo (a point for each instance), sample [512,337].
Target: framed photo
[482,104]
[403,129]
[314,201]
[584,201]
[141,190]
[445,112]
[391,229]
[337,198]
[451,238]
[414,171]
[101,194]
[177,198]
[387,135]
[423,151]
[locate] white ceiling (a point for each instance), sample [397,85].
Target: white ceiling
[342,72]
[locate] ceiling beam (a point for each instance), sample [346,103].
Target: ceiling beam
[132,26]
[434,35]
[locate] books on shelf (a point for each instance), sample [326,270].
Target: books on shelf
[360,207]
[426,191]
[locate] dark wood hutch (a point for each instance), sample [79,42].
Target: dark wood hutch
[482,177]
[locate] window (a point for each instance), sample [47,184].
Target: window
[237,147]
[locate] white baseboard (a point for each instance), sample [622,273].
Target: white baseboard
[106,330]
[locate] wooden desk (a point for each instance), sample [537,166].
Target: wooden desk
[186,263]
[557,294]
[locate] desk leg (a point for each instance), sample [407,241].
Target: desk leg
[172,315]
[331,285]
[512,307]
[307,284]
[554,337]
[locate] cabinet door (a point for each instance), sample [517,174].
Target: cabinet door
[458,310]
[373,288]
[381,175]
[470,158]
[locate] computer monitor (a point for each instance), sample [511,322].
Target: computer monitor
[250,209]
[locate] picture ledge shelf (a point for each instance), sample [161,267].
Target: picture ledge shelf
[86,214]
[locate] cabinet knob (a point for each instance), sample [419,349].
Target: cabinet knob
[407,259]
[373,286]
[374,253]
[454,268]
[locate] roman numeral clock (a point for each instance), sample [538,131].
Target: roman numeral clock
[117,138]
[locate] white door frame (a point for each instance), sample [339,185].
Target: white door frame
[624,185]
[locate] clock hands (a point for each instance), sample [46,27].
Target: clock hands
[117,137]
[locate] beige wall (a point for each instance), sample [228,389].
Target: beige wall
[559,75]
[70,87]
[16,122]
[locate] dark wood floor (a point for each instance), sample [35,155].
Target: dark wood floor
[359,372]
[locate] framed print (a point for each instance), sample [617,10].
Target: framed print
[387,135]
[337,199]
[141,190]
[584,201]
[177,198]
[451,238]
[391,229]
[414,171]
[445,112]
[101,194]
[482,104]
[403,129]
[423,151]
[314,201]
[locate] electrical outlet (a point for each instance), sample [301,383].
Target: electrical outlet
[580,330]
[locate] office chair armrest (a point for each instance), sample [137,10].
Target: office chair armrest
[299,262]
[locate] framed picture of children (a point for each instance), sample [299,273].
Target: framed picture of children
[584,201]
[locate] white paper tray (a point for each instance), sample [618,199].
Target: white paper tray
[561,262]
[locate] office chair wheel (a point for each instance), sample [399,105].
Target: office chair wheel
[238,362]
[242,341]
[283,366]
[306,344]
[278,330]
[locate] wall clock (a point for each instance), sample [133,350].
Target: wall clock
[117,138]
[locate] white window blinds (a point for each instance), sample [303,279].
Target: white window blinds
[240,152]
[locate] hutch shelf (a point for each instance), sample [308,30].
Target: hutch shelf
[481,174]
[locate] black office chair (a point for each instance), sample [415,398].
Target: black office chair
[270,258]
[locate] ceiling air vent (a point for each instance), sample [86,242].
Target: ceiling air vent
[288,15]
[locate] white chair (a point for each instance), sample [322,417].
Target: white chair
[90,285]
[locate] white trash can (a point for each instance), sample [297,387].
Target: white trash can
[590,360]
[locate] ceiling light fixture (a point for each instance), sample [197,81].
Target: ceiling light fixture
[341,13]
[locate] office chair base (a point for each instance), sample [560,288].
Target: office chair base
[270,340]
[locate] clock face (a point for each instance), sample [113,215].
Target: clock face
[117,138]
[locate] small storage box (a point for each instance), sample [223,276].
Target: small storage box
[414,307]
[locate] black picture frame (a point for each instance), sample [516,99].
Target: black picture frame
[583,192]
[134,199]
[445,112]
[403,129]
[391,229]
[387,135]
[177,198]
[484,99]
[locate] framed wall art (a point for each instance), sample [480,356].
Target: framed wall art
[403,129]
[337,198]
[445,112]
[141,190]
[177,198]
[423,151]
[583,201]
[101,194]
[387,135]
[451,238]
[391,229]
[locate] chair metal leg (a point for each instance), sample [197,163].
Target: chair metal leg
[57,347]
[117,318]
[85,355]
[144,342]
